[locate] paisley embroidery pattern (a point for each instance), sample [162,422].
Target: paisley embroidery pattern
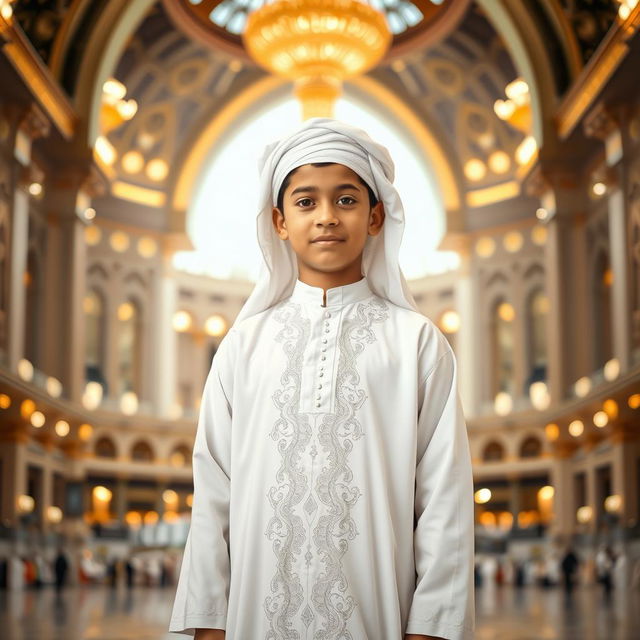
[292,433]
[334,487]
[296,502]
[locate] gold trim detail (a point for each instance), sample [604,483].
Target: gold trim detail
[38,78]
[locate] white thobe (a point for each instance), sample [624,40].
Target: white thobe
[333,493]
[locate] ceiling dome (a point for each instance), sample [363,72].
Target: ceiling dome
[220,23]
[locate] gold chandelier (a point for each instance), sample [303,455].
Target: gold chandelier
[317,44]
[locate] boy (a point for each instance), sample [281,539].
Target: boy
[332,474]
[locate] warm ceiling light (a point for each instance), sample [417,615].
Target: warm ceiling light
[582,386]
[513,241]
[576,428]
[542,213]
[92,235]
[129,403]
[182,321]
[37,419]
[600,419]
[54,387]
[499,162]
[25,369]
[482,496]
[526,150]
[126,311]
[317,44]
[599,188]
[54,514]
[132,161]
[92,396]
[25,503]
[506,312]
[189,500]
[35,189]
[113,90]
[613,503]
[552,431]
[450,321]
[584,514]
[62,428]
[133,518]
[5,401]
[6,10]
[539,235]
[27,407]
[611,408]
[151,517]
[485,246]
[102,494]
[503,403]
[607,277]
[127,108]
[89,213]
[475,169]
[546,493]
[612,369]
[169,496]
[177,459]
[634,401]
[147,247]
[215,325]
[85,431]
[119,241]
[105,150]
[157,169]
[539,395]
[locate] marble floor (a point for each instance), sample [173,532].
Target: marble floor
[503,613]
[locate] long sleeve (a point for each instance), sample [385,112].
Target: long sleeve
[203,586]
[443,602]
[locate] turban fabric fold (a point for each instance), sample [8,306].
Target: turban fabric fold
[328,140]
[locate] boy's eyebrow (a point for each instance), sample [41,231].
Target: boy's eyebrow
[345,185]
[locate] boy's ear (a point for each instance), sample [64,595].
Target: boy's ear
[279,223]
[376,218]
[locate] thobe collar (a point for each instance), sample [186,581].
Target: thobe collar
[336,296]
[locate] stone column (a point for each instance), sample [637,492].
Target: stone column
[564,513]
[164,337]
[603,125]
[32,125]
[466,336]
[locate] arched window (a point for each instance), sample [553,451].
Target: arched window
[104,448]
[531,448]
[601,305]
[502,346]
[180,456]
[129,347]
[537,310]
[493,452]
[94,337]
[141,452]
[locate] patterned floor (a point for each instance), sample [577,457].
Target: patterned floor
[99,613]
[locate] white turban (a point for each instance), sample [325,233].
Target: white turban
[328,140]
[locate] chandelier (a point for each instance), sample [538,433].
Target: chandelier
[317,44]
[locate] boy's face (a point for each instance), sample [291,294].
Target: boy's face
[327,201]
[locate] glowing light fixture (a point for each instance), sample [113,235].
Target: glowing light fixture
[552,431]
[584,514]
[450,321]
[503,403]
[54,514]
[215,325]
[317,44]
[576,428]
[482,496]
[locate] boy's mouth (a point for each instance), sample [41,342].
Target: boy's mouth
[326,240]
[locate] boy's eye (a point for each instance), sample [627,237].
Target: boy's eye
[305,202]
[349,198]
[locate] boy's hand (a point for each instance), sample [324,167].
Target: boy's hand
[209,634]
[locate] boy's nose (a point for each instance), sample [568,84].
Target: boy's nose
[325,214]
